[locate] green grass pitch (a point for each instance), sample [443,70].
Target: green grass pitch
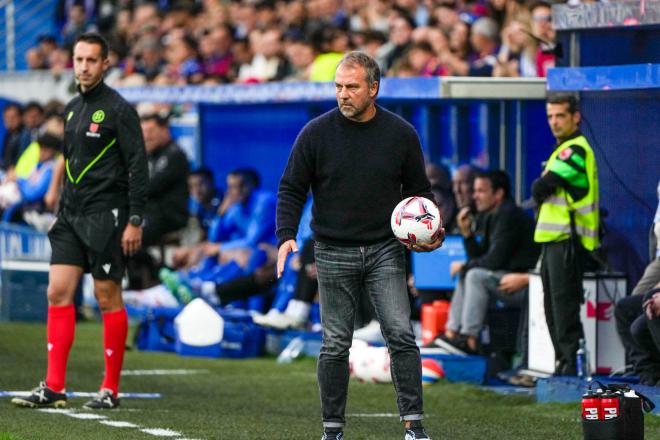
[251,399]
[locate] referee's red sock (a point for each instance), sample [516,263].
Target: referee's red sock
[60,330]
[115,329]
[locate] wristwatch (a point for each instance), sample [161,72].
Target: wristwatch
[135,220]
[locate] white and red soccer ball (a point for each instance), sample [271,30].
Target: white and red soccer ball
[416,220]
[369,364]
[432,371]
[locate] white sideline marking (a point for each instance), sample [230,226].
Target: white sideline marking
[373,415]
[85,394]
[161,432]
[158,432]
[86,416]
[118,424]
[56,411]
[179,372]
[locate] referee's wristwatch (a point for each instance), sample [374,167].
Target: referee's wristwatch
[135,220]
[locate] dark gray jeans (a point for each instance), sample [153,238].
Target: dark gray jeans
[379,271]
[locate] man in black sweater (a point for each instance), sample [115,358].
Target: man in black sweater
[359,161]
[505,246]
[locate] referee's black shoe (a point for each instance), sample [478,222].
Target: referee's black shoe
[103,400]
[41,397]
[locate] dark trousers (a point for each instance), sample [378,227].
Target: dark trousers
[635,333]
[562,266]
[379,271]
[654,328]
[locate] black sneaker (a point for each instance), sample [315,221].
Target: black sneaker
[416,432]
[333,435]
[41,397]
[103,400]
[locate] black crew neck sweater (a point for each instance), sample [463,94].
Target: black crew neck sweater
[357,172]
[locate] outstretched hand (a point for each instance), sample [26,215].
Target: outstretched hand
[285,249]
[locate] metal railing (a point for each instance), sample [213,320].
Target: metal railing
[21,23]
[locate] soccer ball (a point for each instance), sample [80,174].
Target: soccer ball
[370,364]
[432,371]
[416,220]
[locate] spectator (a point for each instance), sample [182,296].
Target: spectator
[459,40]
[300,55]
[181,55]
[29,158]
[167,192]
[35,59]
[462,184]
[215,48]
[47,44]
[76,24]
[31,190]
[267,63]
[33,117]
[372,41]
[324,65]
[12,116]
[517,55]
[400,39]
[484,39]
[422,59]
[542,29]
[445,16]
[149,60]
[266,14]
[441,188]
[294,17]
[59,61]
[204,201]
[504,244]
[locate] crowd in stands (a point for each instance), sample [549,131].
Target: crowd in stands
[252,41]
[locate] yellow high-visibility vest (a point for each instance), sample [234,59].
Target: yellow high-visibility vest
[554,221]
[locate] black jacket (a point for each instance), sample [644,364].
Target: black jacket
[507,241]
[106,165]
[167,193]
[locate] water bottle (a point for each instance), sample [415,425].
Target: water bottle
[581,360]
[291,351]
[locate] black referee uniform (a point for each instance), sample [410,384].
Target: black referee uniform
[105,182]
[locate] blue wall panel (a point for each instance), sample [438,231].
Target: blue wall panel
[624,46]
[623,130]
[255,135]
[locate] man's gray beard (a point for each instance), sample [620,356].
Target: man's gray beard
[351,112]
[347,112]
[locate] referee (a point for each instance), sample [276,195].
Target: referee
[99,223]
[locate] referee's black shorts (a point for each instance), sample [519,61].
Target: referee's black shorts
[91,241]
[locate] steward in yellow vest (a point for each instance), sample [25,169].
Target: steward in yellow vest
[569,188]
[567,227]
